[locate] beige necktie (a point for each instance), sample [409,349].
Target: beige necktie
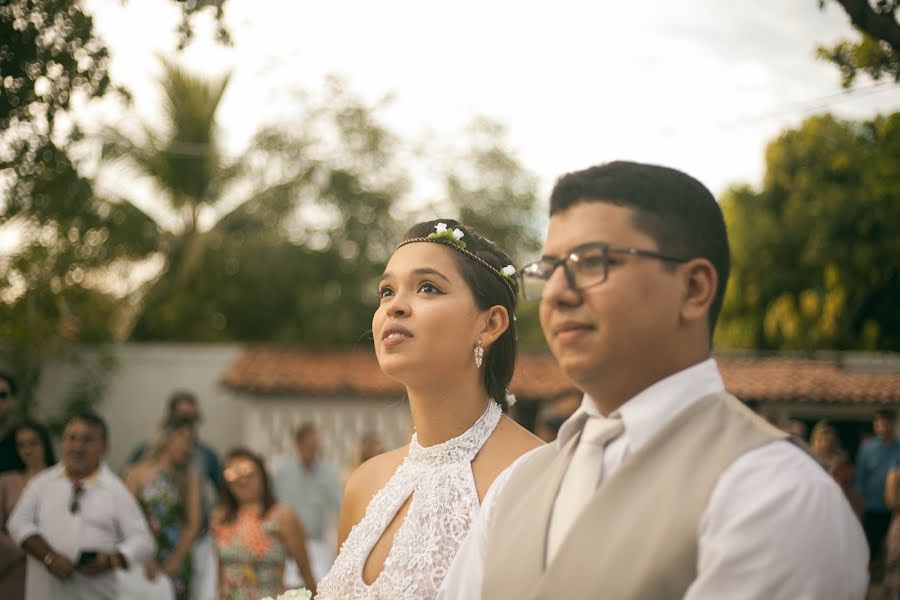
[581,479]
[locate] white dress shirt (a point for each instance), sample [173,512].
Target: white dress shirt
[777,526]
[108,520]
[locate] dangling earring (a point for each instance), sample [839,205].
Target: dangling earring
[479,354]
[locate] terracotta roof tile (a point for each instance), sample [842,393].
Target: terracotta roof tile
[264,370]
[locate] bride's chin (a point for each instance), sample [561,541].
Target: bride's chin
[398,367]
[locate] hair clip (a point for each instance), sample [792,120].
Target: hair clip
[442,233]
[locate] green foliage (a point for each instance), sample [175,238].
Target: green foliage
[815,251]
[877,52]
[54,286]
[494,193]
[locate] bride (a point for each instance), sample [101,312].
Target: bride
[445,330]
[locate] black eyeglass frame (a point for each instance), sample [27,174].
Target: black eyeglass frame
[573,256]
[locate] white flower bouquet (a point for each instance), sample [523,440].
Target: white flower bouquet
[299,594]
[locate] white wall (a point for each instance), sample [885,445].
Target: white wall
[269,424]
[146,374]
[139,388]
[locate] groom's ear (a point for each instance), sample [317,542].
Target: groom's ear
[495,324]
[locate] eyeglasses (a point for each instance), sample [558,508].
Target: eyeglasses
[585,266]
[74,503]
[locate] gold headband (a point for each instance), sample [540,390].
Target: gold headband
[456,245]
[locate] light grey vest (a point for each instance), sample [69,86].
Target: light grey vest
[636,539]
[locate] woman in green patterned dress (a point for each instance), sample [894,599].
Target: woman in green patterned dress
[168,490]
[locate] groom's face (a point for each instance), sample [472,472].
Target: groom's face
[607,332]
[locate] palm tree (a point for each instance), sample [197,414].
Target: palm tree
[191,174]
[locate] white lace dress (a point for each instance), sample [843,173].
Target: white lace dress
[444,502]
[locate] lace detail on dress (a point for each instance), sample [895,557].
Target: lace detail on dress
[444,502]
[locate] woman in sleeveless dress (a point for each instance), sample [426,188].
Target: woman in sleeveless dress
[34,453]
[168,490]
[254,534]
[445,329]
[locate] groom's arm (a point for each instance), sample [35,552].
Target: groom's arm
[778,527]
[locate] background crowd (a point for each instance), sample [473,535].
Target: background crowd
[180,522]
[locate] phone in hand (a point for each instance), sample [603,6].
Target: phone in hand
[86,557]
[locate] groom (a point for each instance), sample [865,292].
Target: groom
[661,486]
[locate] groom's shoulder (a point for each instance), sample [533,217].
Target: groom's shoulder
[533,463]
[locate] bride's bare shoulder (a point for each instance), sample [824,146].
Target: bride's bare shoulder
[365,481]
[508,442]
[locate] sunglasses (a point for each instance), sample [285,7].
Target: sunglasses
[74,503]
[234,473]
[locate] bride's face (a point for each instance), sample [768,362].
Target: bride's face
[427,324]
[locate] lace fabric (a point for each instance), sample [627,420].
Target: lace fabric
[444,502]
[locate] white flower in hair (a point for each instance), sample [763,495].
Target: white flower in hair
[510,399]
[458,234]
[508,270]
[440,227]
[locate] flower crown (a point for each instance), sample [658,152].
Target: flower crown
[443,235]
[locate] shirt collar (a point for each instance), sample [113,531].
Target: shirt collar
[97,478]
[649,411]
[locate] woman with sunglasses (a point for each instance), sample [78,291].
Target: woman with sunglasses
[254,534]
[445,329]
[34,453]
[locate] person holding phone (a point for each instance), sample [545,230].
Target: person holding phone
[77,521]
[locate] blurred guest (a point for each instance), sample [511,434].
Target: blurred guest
[796,428]
[876,457]
[9,404]
[77,521]
[370,446]
[254,534]
[890,588]
[183,406]
[312,488]
[34,453]
[824,444]
[167,488]
[547,424]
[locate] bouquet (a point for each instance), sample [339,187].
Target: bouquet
[300,594]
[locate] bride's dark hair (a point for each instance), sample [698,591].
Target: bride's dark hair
[489,288]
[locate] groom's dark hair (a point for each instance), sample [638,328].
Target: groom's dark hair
[670,206]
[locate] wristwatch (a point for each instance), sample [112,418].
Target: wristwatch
[48,558]
[117,561]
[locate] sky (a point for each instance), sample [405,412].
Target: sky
[700,85]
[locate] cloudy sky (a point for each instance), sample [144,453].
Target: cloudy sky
[701,85]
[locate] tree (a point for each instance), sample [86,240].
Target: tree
[190,173]
[69,239]
[493,192]
[877,53]
[296,261]
[487,187]
[814,251]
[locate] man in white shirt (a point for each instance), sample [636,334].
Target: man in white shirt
[661,486]
[77,521]
[311,487]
